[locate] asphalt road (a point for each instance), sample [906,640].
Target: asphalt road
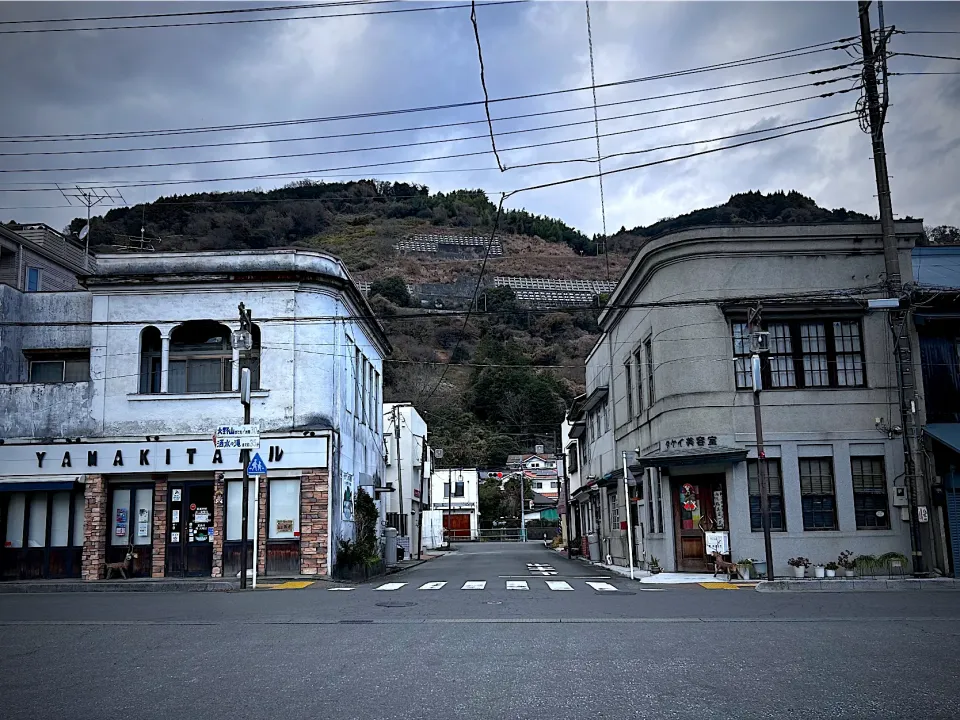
[447,652]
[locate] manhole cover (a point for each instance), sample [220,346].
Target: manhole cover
[395,604]
[494,602]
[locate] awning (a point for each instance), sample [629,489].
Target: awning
[595,398]
[38,483]
[946,433]
[678,457]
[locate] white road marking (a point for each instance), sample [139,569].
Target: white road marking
[391,586]
[517,585]
[558,585]
[474,585]
[432,586]
[546,572]
[602,587]
[340,589]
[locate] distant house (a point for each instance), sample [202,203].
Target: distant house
[540,470]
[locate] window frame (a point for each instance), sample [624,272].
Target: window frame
[628,380]
[57,358]
[796,359]
[224,354]
[809,499]
[26,284]
[756,517]
[649,370]
[637,358]
[880,495]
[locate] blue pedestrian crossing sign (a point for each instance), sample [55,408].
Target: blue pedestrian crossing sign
[256,466]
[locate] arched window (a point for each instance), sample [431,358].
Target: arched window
[200,358]
[150,359]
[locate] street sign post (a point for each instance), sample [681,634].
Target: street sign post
[255,469]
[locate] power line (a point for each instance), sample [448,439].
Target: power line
[596,128]
[248,21]
[233,143]
[921,55]
[390,163]
[483,84]
[476,291]
[770,57]
[232,11]
[673,159]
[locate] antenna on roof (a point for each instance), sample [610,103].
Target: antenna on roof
[88,197]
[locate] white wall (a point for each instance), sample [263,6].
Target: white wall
[469,503]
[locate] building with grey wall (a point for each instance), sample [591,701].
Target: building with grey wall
[669,385]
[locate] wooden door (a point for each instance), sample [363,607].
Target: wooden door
[458,524]
[692,513]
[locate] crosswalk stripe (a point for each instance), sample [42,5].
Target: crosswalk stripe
[602,587]
[432,586]
[558,585]
[339,589]
[391,586]
[517,585]
[474,585]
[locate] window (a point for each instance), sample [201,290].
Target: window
[648,354]
[458,489]
[628,378]
[151,357]
[870,493]
[554,485]
[638,358]
[817,494]
[284,501]
[606,416]
[132,516]
[234,514]
[60,367]
[364,393]
[573,462]
[358,398]
[778,520]
[201,358]
[613,511]
[33,279]
[538,486]
[803,354]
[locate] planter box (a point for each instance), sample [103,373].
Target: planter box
[358,573]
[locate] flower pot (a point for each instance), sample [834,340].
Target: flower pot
[818,571]
[848,573]
[799,571]
[831,573]
[744,571]
[760,568]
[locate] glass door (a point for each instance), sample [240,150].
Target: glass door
[131,528]
[190,530]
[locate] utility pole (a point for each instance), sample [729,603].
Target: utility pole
[246,340]
[449,508]
[759,344]
[423,463]
[900,318]
[396,432]
[626,496]
[523,525]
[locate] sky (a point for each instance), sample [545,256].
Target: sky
[148,79]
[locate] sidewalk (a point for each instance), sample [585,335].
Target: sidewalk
[858,585]
[131,585]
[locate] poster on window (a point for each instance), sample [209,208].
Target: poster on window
[348,493]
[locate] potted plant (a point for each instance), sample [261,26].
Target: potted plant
[799,565]
[831,569]
[845,561]
[743,567]
[894,561]
[818,570]
[654,564]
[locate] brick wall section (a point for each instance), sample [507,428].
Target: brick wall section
[219,495]
[262,527]
[159,527]
[314,523]
[94,527]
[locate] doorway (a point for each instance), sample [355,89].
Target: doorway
[190,530]
[699,506]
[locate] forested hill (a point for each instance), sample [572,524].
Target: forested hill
[306,211]
[743,208]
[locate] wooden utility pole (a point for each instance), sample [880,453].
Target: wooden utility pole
[756,345]
[900,318]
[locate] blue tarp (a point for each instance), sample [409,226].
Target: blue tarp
[937,267]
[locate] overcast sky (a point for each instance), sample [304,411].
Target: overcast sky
[57,83]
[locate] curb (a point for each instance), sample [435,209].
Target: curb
[105,586]
[847,585]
